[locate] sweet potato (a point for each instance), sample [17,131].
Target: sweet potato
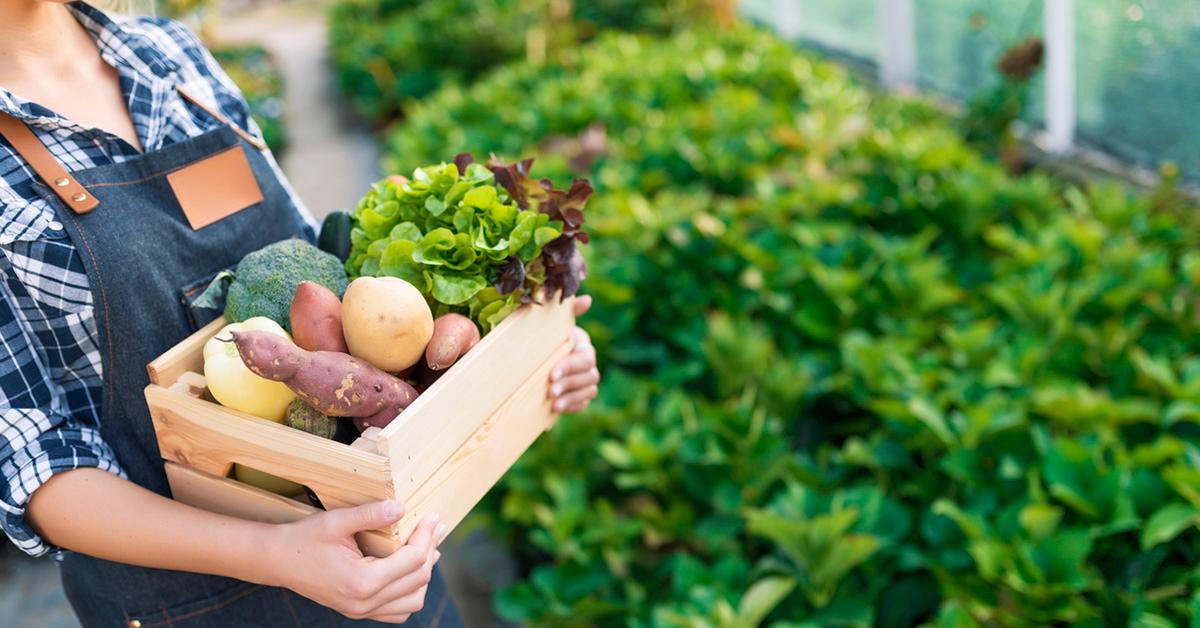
[316,318]
[334,383]
[453,335]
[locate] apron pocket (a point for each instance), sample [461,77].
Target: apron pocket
[207,310]
[224,608]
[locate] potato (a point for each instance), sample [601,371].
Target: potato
[316,318]
[453,335]
[386,322]
[335,384]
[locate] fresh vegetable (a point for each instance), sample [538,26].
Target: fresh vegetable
[476,240]
[266,279]
[386,322]
[316,318]
[266,481]
[334,383]
[306,418]
[233,385]
[335,234]
[453,335]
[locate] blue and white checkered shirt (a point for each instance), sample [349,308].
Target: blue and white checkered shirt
[50,373]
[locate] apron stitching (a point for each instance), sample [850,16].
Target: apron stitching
[169,621]
[166,617]
[108,377]
[158,175]
[288,601]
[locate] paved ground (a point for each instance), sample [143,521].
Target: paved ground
[331,160]
[30,592]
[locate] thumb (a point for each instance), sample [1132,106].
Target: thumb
[343,522]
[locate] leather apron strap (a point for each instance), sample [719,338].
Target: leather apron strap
[31,149]
[74,195]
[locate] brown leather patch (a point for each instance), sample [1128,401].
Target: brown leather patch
[219,186]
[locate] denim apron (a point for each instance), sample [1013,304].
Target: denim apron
[143,261]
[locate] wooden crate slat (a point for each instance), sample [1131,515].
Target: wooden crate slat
[444,417]
[474,468]
[441,455]
[210,438]
[183,357]
[232,498]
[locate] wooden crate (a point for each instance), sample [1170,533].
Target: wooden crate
[442,454]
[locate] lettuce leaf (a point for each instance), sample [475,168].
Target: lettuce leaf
[478,239]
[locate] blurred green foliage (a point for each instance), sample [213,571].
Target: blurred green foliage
[855,373]
[386,52]
[255,73]
[250,66]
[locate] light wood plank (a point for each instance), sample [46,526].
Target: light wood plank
[228,497]
[183,357]
[425,435]
[471,471]
[210,438]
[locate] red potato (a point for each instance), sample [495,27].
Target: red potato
[334,383]
[453,335]
[316,318]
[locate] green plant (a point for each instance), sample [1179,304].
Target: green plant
[474,239]
[386,52]
[855,373]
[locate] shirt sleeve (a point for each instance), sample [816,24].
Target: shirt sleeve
[38,439]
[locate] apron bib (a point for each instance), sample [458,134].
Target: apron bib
[144,261]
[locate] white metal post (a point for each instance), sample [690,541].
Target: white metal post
[896,23]
[786,16]
[1060,75]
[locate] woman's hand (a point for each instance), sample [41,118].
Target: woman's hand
[574,381]
[318,558]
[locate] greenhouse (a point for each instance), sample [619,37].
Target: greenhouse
[671,313]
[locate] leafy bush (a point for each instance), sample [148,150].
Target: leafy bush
[388,51]
[855,374]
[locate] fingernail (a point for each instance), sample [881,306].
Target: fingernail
[559,405]
[556,390]
[440,533]
[557,374]
[391,509]
[437,556]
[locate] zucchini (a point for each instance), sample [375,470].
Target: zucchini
[335,234]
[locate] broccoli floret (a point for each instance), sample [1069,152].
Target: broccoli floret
[266,280]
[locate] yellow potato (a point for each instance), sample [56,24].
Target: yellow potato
[386,322]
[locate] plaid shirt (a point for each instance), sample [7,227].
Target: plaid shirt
[50,372]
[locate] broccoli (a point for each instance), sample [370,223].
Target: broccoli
[266,280]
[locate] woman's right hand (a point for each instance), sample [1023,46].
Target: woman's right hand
[318,558]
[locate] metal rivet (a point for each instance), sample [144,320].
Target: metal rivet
[62,182]
[135,623]
[79,198]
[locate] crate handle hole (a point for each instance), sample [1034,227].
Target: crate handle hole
[274,484]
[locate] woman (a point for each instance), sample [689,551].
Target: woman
[97,112]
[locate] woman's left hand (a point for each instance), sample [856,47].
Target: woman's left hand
[574,380]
